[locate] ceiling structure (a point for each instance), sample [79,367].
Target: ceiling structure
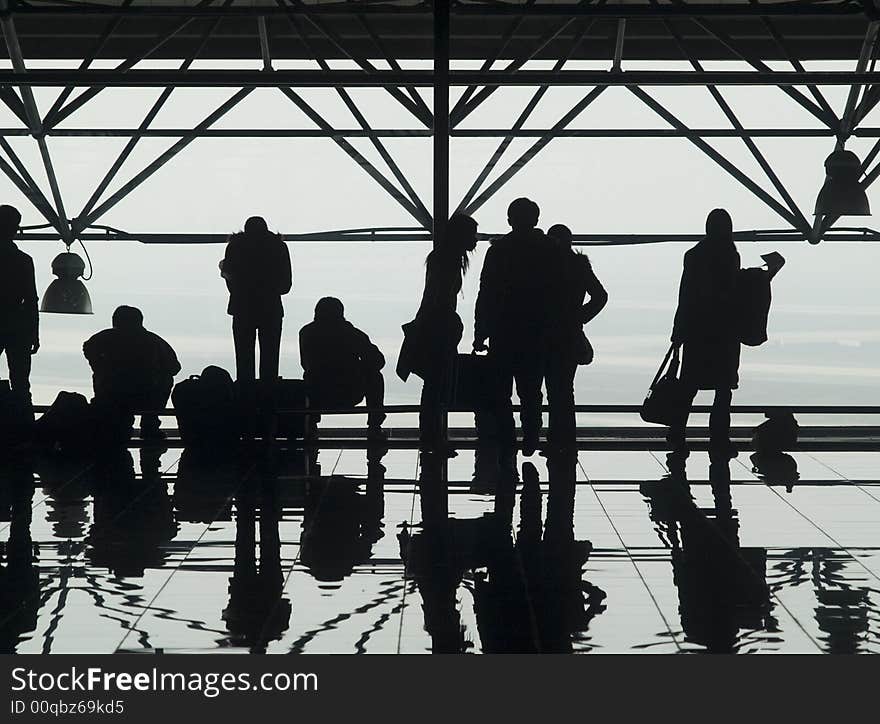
[775,41]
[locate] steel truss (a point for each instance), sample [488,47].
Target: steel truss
[370,39]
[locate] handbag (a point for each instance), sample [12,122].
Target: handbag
[583,350]
[474,383]
[668,398]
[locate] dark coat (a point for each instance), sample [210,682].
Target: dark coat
[257,272]
[705,321]
[574,280]
[19,319]
[515,291]
[127,360]
[336,354]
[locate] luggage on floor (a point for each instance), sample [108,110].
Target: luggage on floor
[208,409]
[67,425]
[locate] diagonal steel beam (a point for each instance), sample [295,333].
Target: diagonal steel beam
[533,150]
[716,156]
[13,102]
[161,160]
[518,124]
[392,62]
[401,97]
[29,187]
[148,119]
[108,31]
[466,109]
[424,214]
[363,162]
[847,121]
[829,120]
[725,107]
[53,119]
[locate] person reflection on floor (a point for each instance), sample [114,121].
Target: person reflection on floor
[533,598]
[19,576]
[340,524]
[721,586]
[133,518]
[257,611]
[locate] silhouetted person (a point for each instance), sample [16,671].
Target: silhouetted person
[132,368]
[511,312]
[568,346]
[341,365]
[19,319]
[706,328]
[440,326]
[257,271]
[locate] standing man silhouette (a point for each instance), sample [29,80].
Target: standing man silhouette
[511,312]
[19,319]
[705,329]
[257,271]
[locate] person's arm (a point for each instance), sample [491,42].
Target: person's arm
[487,300]
[285,272]
[172,364]
[305,349]
[30,302]
[229,265]
[681,312]
[598,297]
[369,353]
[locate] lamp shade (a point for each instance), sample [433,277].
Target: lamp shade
[67,294]
[842,194]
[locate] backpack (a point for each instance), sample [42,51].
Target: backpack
[207,408]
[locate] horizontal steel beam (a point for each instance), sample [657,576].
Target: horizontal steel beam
[573,9]
[458,133]
[423,78]
[417,235]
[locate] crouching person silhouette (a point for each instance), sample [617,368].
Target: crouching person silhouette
[705,329]
[341,365]
[132,368]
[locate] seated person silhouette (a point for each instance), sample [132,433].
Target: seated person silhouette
[132,368]
[342,366]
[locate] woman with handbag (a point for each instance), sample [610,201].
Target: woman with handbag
[706,331]
[431,339]
[568,346]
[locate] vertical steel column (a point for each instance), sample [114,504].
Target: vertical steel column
[441,120]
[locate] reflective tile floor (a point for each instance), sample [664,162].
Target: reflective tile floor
[381,552]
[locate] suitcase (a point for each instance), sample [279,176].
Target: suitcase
[290,395]
[67,425]
[208,409]
[475,383]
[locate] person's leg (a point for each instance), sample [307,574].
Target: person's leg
[676,436]
[18,357]
[156,399]
[436,393]
[719,420]
[560,397]
[529,375]
[374,393]
[270,349]
[506,427]
[244,336]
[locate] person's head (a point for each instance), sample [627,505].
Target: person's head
[560,235]
[522,214]
[461,233]
[256,225]
[329,309]
[10,220]
[127,318]
[719,225]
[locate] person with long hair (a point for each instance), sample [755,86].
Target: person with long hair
[706,332]
[439,328]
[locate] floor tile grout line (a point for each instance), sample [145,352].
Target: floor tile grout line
[842,476]
[412,512]
[818,527]
[183,560]
[632,560]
